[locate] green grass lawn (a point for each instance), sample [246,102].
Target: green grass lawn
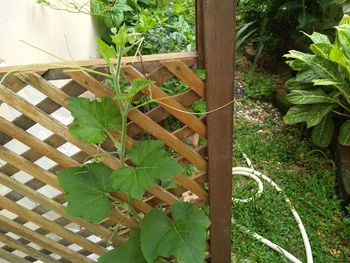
[306,175]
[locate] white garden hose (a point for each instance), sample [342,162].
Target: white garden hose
[257,176]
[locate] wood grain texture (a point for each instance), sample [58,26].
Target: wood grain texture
[219,30]
[96,62]
[185,74]
[200,33]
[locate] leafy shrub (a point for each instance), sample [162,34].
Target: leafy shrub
[279,22]
[321,91]
[258,86]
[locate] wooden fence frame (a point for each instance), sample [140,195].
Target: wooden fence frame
[215,32]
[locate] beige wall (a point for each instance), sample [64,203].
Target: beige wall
[45,28]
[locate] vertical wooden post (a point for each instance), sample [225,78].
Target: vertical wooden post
[219,25]
[200,34]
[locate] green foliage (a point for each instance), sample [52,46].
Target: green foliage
[92,118]
[183,237]
[129,252]
[86,191]
[258,86]
[151,164]
[322,85]
[277,24]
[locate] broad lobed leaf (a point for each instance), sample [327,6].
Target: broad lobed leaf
[92,118]
[152,163]
[183,236]
[85,190]
[129,252]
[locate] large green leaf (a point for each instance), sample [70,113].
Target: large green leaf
[317,113]
[344,133]
[297,65]
[183,236]
[92,118]
[318,38]
[324,68]
[129,252]
[309,97]
[325,82]
[321,49]
[297,114]
[338,56]
[85,190]
[306,76]
[152,163]
[322,133]
[343,38]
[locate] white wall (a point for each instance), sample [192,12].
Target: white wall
[46,28]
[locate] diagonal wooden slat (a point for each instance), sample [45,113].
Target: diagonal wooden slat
[25,249]
[184,73]
[11,257]
[10,226]
[169,104]
[30,168]
[50,226]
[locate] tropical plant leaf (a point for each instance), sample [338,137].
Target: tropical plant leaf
[318,38]
[317,113]
[321,49]
[325,82]
[297,65]
[85,190]
[92,118]
[106,51]
[128,252]
[183,236]
[345,20]
[309,97]
[324,68]
[344,133]
[152,163]
[343,38]
[338,56]
[306,76]
[297,114]
[322,133]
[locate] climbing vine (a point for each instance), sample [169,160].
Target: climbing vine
[88,187]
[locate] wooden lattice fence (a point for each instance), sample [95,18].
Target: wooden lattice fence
[35,143]
[77,240]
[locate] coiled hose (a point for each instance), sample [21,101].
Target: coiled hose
[258,177]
